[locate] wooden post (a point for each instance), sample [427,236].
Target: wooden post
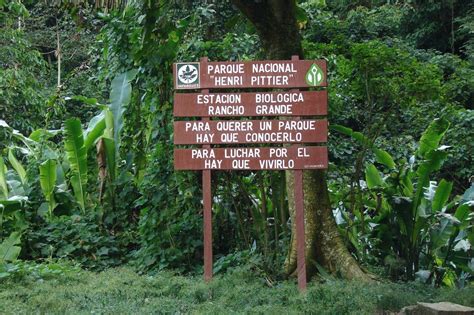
[207,203]
[206,191]
[300,237]
[300,231]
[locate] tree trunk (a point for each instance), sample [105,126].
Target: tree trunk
[276,25]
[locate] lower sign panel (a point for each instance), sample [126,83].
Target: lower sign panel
[278,158]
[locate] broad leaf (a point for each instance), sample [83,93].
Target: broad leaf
[94,130]
[9,251]
[77,156]
[372,177]
[441,195]
[17,166]
[109,124]
[468,194]
[86,100]
[433,163]
[383,157]
[430,139]
[462,214]
[120,96]
[12,204]
[354,134]
[48,182]
[43,134]
[344,130]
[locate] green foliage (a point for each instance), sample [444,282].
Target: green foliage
[434,25]
[460,165]
[100,183]
[21,270]
[171,235]
[407,218]
[80,238]
[22,97]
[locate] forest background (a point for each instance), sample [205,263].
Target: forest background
[86,138]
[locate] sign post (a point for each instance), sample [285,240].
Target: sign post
[207,203]
[280,74]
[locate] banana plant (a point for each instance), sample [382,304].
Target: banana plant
[105,128]
[411,213]
[404,202]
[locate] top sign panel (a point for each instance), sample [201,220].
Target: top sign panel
[250,74]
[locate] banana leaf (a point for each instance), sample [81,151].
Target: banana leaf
[77,156]
[12,204]
[48,182]
[9,251]
[43,134]
[120,97]
[430,139]
[95,130]
[441,195]
[373,178]
[17,166]
[381,156]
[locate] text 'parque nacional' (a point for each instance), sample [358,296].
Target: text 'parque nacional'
[250,74]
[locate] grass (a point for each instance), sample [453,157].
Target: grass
[121,291]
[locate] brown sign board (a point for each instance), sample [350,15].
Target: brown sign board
[289,103]
[245,158]
[283,74]
[250,74]
[250,131]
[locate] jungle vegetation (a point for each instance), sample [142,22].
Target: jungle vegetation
[86,136]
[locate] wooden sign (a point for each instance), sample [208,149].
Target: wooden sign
[304,103]
[249,74]
[280,74]
[264,158]
[250,131]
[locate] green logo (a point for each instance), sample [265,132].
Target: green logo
[314,76]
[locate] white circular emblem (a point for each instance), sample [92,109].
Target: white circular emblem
[188,74]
